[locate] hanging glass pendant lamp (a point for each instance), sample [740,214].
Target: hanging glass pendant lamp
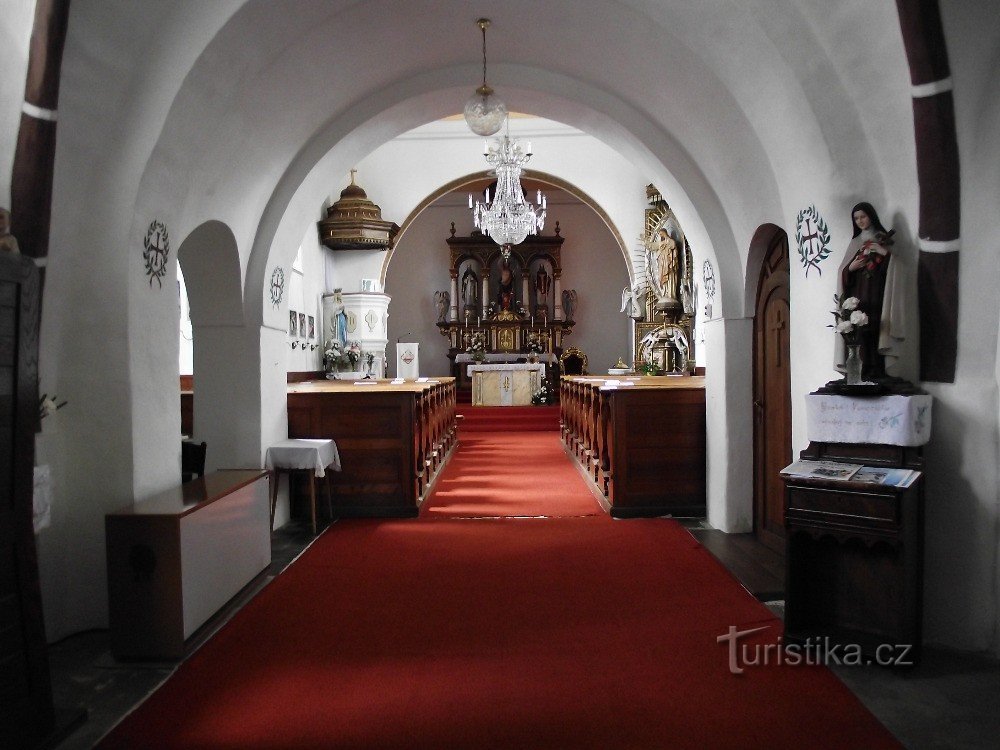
[484,111]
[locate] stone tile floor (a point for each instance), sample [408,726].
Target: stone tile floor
[950,700]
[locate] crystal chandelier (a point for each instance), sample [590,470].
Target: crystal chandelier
[508,218]
[484,112]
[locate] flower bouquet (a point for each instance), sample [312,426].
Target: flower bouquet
[477,347]
[331,358]
[542,396]
[353,354]
[849,322]
[535,347]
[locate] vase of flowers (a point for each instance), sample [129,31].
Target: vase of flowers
[535,347]
[850,321]
[332,353]
[477,347]
[353,355]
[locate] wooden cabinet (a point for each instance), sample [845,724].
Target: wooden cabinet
[26,711]
[854,555]
[176,558]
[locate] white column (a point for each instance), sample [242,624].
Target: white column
[729,423]
[453,309]
[557,290]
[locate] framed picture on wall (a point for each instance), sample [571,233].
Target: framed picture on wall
[293,323]
[302,325]
[312,327]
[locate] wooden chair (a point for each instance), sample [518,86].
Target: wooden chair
[573,362]
[192,460]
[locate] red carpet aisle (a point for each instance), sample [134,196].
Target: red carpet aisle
[501,633]
[510,474]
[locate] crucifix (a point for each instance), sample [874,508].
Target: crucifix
[777,326]
[353,172]
[808,238]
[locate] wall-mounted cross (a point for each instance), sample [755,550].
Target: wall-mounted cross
[778,326]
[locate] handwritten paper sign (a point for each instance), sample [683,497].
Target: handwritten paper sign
[886,420]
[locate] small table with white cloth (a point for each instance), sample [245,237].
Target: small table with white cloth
[302,454]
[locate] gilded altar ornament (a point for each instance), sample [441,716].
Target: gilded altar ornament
[355,223]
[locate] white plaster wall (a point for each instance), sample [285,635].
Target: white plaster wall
[15,33]
[306,284]
[962,589]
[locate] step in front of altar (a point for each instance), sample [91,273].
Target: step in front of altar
[508,418]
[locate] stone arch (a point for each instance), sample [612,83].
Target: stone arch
[209,257]
[543,177]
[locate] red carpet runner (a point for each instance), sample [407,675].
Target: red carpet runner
[510,474]
[502,633]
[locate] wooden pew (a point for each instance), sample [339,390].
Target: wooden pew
[643,444]
[393,439]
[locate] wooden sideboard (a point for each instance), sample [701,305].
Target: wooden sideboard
[643,445]
[854,559]
[393,439]
[176,558]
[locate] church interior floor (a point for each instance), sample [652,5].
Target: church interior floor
[948,701]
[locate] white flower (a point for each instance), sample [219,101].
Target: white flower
[47,407]
[851,303]
[859,318]
[845,326]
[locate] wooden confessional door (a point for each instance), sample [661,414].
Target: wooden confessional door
[26,712]
[772,394]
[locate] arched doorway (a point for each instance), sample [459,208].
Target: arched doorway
[772,418]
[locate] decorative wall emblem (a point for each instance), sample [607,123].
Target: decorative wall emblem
[708,279]
[352,321]
[708,282]
[372,320]
[156,252]
[277,285]
[813,237]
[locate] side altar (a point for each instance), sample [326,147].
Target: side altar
[514,305]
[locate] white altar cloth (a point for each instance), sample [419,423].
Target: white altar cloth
[505,385]
[303,453]
[512,357]
[884,420]
[540,368]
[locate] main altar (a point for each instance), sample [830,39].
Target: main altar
[514,306]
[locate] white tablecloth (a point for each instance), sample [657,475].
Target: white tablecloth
[465,357]
[885,420]
[539,368]
[304,453]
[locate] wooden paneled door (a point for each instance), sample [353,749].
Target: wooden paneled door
[772,439]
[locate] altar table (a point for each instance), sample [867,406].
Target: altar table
[505,384]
